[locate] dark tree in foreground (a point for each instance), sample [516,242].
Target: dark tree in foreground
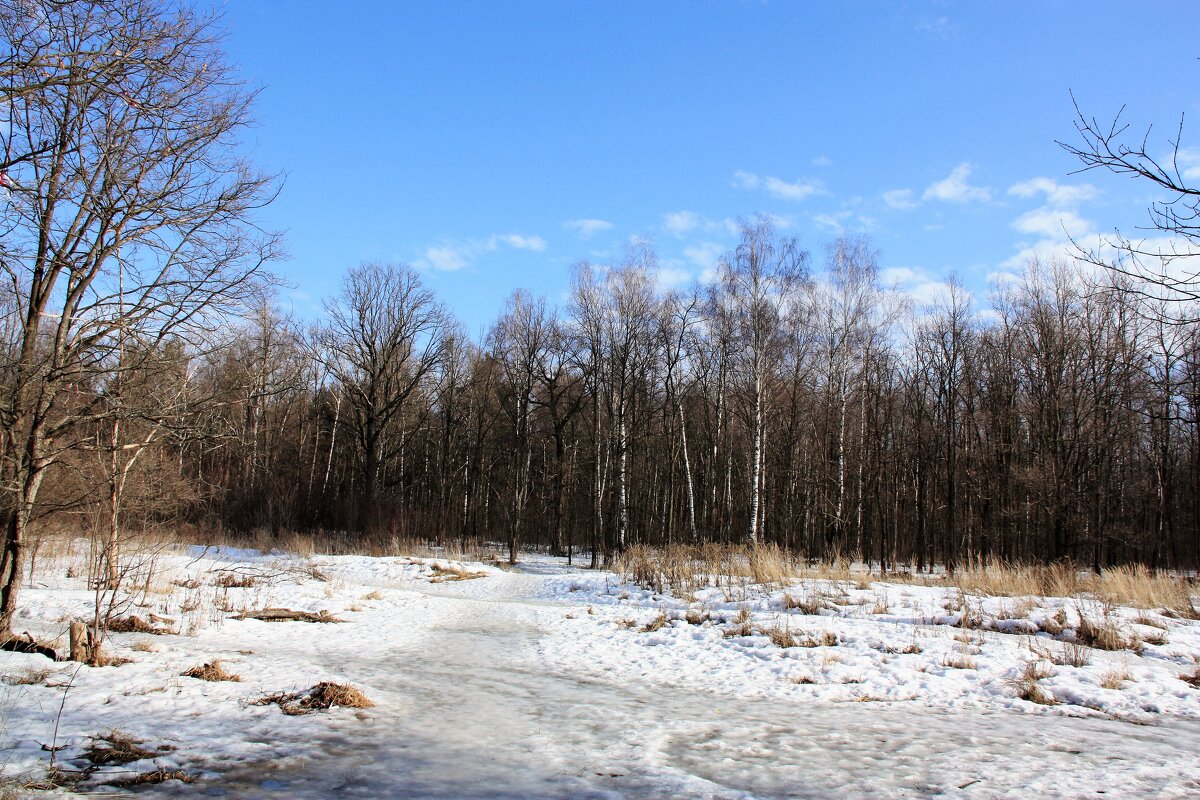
[126,220]
[1160,270]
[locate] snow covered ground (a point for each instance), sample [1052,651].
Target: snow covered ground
[549,682]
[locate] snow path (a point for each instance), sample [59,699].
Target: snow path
[470,706]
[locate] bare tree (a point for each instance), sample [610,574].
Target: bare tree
[383,342]
[761,278]
[1162,270]
[128,215]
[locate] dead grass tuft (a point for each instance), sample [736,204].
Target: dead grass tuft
[656,623]
[150,778]
[810,606]
[234,580]
[134,624]
[1157,637]
[1115,679]
[289,615]
[322,696]
[1192,680]
[212,671]
[959,661]
[30,677]
[115,747]
[144,646]
[1027,683]
[781,637]
[1103,634]
[451,572]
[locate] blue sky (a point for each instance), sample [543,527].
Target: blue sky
[495,144]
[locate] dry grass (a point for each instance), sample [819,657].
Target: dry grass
[212,671]
[1115,679]
[1192,680]
[741,625]
[1103,634]
[116,748]
[810,606]
[452,572]
[656,623]
[1056,624]
[322,696]
[1073,654]
[150,778]
[781,636]
[1158,638]
[684,569]
[289,615]
[235,580]
[30,677]
[144,646]
[134,624]
[959,660]
[1027,683]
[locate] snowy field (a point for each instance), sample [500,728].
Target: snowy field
[552,682]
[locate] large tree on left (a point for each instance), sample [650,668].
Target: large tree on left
[126,219]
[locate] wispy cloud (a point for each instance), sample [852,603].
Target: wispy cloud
[941,27]
[955,188]
[901,199]
[1051,223]
[918,285]
[705,254]
[822,161]
[1057,194]
[1188,161]
[586,228]
[799,189]
[833,221]
[680,223]
[518,242]
[452,256]
[672,274]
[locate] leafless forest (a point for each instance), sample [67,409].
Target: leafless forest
[795,400]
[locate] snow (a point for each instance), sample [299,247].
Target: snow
[547,681]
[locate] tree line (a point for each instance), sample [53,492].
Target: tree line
[814,410]
[148,381]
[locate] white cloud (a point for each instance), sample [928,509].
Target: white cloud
[1057,194]
[679,223]
[671,275]
[1052,224]
[777,187]
[901,199]
[896,276]
[587,228]
[519,242]
[822,161]
[447,257]
[955,189]
[452,256]
[1188,162]
[832,222]
[705,255]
